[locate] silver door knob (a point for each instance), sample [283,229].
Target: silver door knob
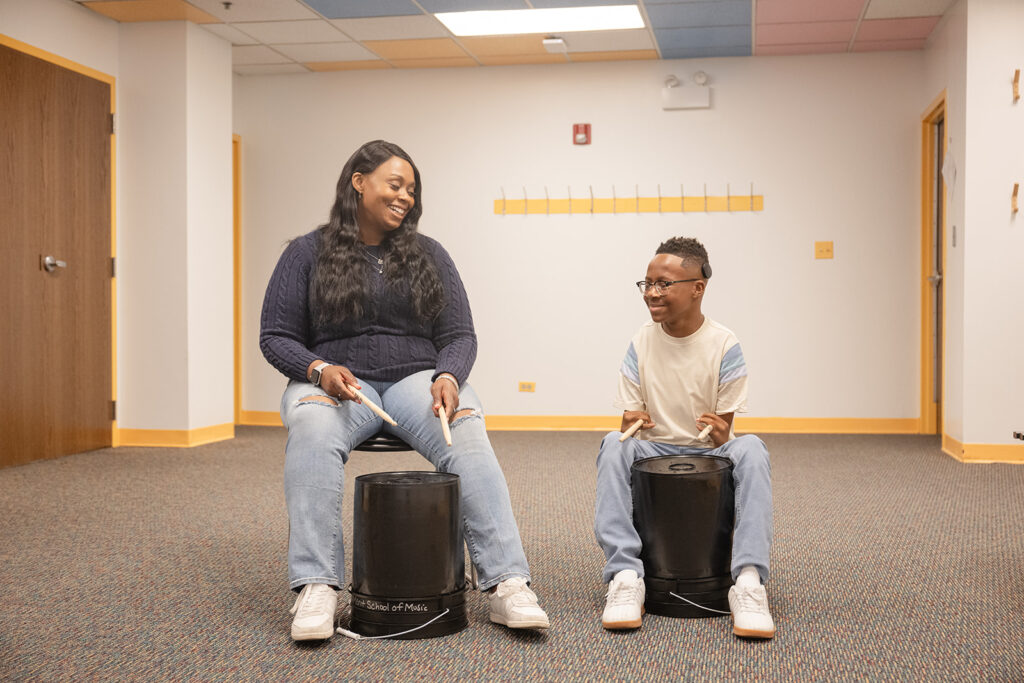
[51,264]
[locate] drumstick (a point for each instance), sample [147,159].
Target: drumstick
[632,430]
[373,406]
[444,426]
[704,433]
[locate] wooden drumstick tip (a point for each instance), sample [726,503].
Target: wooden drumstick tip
[632,429]
[445,429]
[374,407]
[704,433]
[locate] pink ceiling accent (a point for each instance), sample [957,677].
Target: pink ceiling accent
[789,11]
[815,32]
[896,29]
[880,45]
[808,49]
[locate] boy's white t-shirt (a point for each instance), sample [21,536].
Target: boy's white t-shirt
[675,379]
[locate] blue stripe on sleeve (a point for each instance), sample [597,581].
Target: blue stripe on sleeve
[630,366]
[733,366]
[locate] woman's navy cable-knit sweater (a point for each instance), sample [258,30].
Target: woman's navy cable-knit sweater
[387,344]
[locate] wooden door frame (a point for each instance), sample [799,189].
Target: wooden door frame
[929,420]
[70,65]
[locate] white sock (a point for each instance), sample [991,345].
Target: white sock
[749,577]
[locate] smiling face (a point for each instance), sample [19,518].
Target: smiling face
[387,194]
[677,308]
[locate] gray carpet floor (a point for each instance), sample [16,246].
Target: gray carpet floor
[891,562]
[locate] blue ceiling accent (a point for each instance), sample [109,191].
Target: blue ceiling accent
[692,14]
[548,4]
[354,9]
[710,41]
[471,5]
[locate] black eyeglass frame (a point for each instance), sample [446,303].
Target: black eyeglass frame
[661,285]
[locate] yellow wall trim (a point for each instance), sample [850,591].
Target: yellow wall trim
[827,425]
[56,59]
[553,423]
[951,446]
[176,438]
[260,418]
[994,453]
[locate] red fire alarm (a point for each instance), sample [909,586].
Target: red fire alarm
[581,133]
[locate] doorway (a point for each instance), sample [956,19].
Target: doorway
[56,265]
[933,230]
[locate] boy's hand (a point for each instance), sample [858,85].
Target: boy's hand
[719,428]
[631,416]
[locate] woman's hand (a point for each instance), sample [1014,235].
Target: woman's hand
[337,381]
[719,427]
[446,395]
[631,416]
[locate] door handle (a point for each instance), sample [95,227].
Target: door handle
[51,264]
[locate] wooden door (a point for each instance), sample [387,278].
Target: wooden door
[55,327]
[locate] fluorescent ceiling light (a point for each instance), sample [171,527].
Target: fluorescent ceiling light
[556,20]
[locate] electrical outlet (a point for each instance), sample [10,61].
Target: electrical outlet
[527,386]
[1018,435]
[822,250]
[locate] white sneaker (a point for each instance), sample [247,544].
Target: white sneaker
[513,604]
[750,615]
[314,612]
[624,605]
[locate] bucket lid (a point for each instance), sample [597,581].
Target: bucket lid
[682,464]
[413,478]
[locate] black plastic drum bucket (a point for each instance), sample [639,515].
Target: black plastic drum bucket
[408,565]
[683,509]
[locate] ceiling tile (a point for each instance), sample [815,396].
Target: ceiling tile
[810,32]
[547,4]
[150,10]
[325,52]
[472,5]
[350,9]
[435,63]
[229,32]
[392,28]
[609,41]
[492,46]
[686,38]
[256,10]
[348,66]
[613,56]
[891,9]
[881,45]
[432,48]
[302,31]
[792,11]
[256,54]
[691,14]
[896,29]
[803,49]
[269,69]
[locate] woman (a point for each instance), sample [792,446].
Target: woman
[366,302]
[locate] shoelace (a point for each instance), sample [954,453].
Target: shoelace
[622,593]
[313,602]
[751,601]
[519,594]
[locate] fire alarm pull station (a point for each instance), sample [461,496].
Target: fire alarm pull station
[581,133]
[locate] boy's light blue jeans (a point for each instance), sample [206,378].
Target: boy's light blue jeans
[613,519]
[320,437]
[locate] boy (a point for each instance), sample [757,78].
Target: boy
[682,373]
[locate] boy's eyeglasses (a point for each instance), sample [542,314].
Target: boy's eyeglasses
[661,285]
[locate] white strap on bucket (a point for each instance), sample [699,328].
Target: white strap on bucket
[355,636]
[716,611]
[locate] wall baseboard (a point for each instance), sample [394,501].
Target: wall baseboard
[983,453]
[176,438]
[260,418]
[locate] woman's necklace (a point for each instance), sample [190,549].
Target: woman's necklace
[375,260]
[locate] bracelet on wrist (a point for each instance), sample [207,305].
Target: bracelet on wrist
[450,378]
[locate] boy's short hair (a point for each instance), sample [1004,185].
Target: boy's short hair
[688,249]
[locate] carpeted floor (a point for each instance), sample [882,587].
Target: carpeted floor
[891,562]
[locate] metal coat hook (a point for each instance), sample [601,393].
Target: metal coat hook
[591,198]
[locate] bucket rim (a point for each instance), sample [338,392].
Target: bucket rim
[386,478]
[637,466]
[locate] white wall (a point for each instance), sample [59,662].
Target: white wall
[210,248]
[993,236]
[830,141]
[64,28]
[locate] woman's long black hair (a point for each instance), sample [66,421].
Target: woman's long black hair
[340,278]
